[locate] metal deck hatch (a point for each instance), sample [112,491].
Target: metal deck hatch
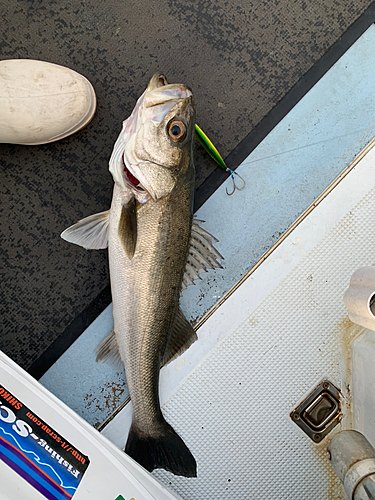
[320,412]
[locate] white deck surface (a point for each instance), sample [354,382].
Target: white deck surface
[284,175]
[283,331]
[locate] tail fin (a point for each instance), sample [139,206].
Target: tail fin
[167,451]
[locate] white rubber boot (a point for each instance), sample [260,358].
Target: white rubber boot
[41,102]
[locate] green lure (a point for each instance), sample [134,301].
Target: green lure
[215,155]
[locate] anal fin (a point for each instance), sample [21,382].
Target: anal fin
[108,352]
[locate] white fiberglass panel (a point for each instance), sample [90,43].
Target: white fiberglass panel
[283,331]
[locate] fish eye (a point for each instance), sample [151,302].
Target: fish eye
[177,131]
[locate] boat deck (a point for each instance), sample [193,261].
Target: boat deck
[285,174]
[271,324]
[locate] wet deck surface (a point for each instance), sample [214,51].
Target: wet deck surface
[240,60]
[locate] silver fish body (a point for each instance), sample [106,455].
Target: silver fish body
[155,250]
[146,291]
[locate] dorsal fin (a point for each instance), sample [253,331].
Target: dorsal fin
[202,254]
[183,335]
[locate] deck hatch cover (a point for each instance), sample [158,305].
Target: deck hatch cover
[320,412]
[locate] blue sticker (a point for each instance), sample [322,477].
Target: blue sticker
[37,452]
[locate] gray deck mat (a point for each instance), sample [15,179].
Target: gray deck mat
[240,58]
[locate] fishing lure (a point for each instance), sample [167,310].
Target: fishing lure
[215,155]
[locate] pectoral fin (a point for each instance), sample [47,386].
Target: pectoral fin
[183,335]
[127,228]
[89,233]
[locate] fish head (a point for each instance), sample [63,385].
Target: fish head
[156,141]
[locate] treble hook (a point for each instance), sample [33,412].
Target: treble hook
[232,174]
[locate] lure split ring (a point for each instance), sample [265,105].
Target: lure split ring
[235,187]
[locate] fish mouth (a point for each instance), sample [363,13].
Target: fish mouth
[131,179]
[157,81]
[160,92]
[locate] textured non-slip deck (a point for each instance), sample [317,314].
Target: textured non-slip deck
[283,331]
[292,166]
